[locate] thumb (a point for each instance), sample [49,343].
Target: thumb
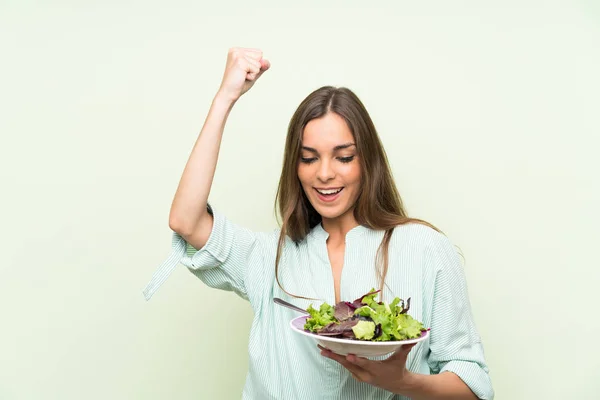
[402,352]
[264,65]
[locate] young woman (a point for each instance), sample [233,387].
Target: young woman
[343,231]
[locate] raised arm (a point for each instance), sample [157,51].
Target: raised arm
[189,216]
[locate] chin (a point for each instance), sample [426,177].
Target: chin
[330,213]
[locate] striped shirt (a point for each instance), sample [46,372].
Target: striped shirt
[423,265]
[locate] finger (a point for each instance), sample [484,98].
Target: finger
[244,63]
[254,63]
[336,357]
[253,74]
[356,371]
[362,362]
[254,53]
[251,49]
[253,77]
[252,71]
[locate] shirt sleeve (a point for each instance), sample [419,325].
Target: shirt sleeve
[222,263]
[455,345]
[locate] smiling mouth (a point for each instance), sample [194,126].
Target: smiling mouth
[328,195]
[329,192]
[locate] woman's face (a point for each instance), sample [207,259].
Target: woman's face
[329,170]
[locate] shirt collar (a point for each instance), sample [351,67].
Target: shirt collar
[355,232]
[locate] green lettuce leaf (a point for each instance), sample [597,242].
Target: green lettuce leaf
[364,330]
[407,327]
[319,318]
[387,321]
[369,298]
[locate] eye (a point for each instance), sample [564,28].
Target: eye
[346,159]
[308,160]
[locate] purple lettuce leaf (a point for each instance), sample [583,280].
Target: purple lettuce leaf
[335,329]
[405,309]
[343,311]
[358,303]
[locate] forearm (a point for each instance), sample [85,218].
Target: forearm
[189,203]
[444,386]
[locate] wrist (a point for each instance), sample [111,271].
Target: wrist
[409,383]
[224,99]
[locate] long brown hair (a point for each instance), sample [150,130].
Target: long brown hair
[378,207]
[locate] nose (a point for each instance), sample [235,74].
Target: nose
[325,171]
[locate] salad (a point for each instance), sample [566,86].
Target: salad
[365,319]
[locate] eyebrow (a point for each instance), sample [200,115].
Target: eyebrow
[336,148]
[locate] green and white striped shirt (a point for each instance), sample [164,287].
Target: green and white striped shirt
[423,265]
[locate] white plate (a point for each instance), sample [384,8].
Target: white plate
[359,348]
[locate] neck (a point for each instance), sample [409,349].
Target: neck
[337,228]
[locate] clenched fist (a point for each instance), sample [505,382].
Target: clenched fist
[243,68]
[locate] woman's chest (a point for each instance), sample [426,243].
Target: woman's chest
[310,271]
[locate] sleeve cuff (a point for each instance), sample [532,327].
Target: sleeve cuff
[217,247]
[214,252]
[474,376]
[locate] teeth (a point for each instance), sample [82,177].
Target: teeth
[332,191]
